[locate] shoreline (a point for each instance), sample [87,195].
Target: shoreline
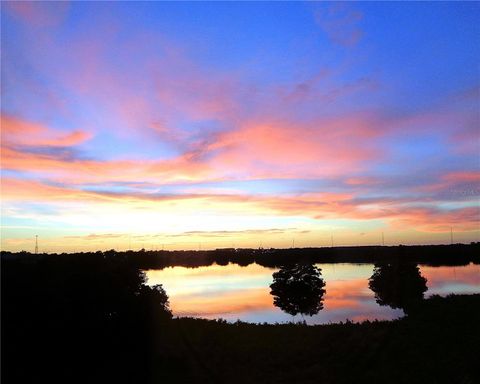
[431,255]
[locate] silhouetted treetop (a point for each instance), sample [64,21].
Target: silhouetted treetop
[298,289]
[398,285]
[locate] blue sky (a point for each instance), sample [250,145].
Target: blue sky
[260,114]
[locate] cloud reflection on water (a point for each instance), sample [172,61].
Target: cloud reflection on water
[232,292]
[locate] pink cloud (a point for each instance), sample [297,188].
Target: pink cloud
[19,132]
[26,190]
[346,294]
[231,302]
[319,206]
[38,13]
[287,149]
[435,220]
[441,276]
[274,149]
[361,181]
[93,171]
[465,176]
[465,184]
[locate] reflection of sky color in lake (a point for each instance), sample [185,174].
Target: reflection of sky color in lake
[232,292]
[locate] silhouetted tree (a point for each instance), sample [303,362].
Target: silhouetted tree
[90,314]
[298,289]
[398,285]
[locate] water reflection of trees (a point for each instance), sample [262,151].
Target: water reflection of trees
[298,289]
[398,285]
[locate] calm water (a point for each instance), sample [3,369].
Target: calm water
[232,292]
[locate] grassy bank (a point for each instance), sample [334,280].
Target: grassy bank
[437,343]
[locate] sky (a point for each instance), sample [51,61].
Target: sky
[200,125]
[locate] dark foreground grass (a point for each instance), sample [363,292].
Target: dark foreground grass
[437,343]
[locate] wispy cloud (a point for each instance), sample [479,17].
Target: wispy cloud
[341,23]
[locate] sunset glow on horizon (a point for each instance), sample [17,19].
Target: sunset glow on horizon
[197,125]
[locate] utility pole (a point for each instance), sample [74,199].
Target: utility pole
[36,244]
[293,243]
[383,240]
[451,236]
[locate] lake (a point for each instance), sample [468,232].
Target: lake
[234,292]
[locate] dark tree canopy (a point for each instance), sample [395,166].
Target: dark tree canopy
[90,315]
[298,289]
[398,285]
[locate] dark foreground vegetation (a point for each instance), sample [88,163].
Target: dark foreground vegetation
[436,344]
[90,318]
